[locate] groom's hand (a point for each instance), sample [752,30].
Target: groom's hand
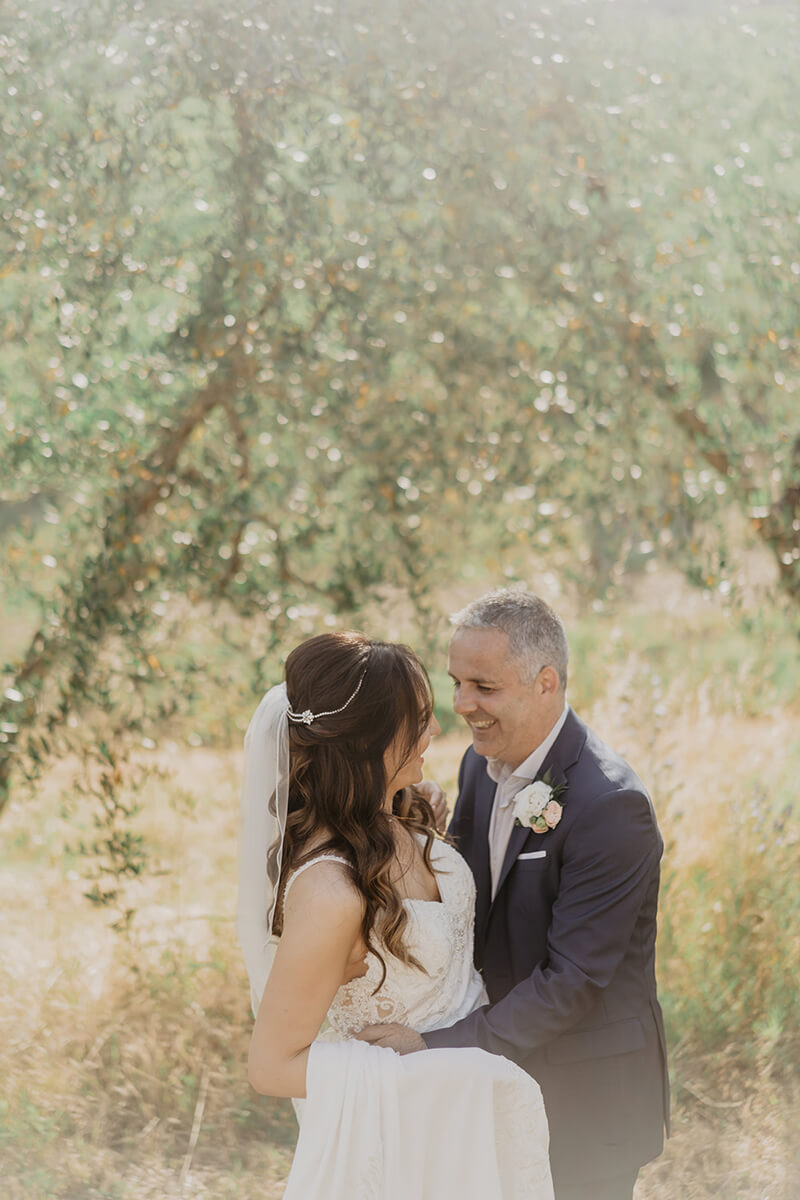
[396,1037]
[437,798]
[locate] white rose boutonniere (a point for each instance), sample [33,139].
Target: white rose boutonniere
[537,805]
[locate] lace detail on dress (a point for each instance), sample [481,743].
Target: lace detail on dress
[439,934]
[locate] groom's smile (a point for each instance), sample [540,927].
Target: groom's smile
[509,717]
[480,731]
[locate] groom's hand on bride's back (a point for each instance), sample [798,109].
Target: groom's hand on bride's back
[437,798]
[395,1037]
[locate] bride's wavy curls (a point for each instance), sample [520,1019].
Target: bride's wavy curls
[337,779]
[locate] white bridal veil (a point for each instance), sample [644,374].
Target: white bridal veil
[262,824]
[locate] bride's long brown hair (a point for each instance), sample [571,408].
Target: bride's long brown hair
[337,778]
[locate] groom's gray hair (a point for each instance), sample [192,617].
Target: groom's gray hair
[536,634]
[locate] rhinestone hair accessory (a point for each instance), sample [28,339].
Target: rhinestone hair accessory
[307,717]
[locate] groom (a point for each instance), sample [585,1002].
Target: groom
[565,922]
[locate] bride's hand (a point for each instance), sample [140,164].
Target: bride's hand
[437,798]
[396,1037]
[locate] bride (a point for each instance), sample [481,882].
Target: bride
[351,909]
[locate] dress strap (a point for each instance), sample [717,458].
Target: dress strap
[310,863]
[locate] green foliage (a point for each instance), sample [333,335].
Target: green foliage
[308,310]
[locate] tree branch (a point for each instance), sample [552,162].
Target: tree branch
[110,573]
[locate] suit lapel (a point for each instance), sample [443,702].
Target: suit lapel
[482,870]
[560,757]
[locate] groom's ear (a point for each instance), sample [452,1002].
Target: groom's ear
[547,681]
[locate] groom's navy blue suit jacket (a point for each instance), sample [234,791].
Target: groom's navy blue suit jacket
[567,952]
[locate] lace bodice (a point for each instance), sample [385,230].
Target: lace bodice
[440,936]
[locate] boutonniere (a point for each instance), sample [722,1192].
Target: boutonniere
[537,805]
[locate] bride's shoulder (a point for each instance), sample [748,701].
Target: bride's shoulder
[324,884]
[323,912]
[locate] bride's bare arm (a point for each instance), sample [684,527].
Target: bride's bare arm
[321,935]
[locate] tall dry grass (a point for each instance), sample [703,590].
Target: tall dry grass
[122,1056]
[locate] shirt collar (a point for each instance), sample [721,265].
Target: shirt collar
[526,772]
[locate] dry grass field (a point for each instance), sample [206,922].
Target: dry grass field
[122,1055]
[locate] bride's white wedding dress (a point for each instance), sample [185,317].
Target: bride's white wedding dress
[457,1123]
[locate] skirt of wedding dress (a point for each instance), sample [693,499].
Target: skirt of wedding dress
[457,1123]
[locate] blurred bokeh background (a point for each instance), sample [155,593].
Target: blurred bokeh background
[336,315]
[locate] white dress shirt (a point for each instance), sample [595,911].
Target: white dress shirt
[508,784]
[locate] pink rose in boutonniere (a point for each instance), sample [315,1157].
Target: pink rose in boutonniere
[537,805]
[552,813]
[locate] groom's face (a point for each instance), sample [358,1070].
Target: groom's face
[508,717]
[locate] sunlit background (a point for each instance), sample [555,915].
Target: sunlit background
[335,315]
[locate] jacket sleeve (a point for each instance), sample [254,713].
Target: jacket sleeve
[609,867]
